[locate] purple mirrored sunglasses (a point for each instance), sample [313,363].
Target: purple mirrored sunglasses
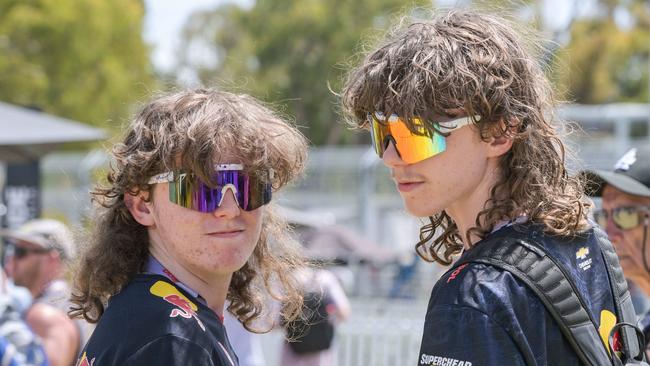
[187,190]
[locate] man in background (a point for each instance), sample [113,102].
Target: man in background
[38,254]
[625,215]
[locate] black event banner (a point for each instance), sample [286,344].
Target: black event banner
[21,193]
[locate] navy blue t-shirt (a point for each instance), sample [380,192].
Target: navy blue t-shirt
[481,315]
[154,322]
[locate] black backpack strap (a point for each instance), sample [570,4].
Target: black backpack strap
[533,266]
[632,338]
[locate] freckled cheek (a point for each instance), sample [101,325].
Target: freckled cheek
[198,254]
[208,257]
[223,254]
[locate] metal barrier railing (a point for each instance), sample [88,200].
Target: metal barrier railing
[380,332]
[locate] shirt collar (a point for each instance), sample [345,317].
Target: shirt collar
[505,223]
[153,266]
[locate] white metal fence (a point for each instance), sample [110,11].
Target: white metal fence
[382,333]
[379,333]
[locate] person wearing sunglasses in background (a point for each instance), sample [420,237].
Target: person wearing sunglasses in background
[186,222]
[625,216]
[462,114]
[38,254]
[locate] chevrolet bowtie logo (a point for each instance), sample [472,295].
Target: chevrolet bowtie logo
[582,253]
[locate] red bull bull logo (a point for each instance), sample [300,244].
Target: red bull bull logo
[183,307]
[83,361]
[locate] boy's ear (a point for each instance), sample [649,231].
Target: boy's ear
[498,146]
[139,207]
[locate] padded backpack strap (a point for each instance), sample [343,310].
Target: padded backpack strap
[632,338]
[533,266]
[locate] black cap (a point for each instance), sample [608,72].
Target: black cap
[631,175]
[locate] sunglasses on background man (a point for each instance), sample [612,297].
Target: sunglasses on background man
[19,252]
[625,218]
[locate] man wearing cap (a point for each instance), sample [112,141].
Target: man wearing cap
[37,255]
[39,252]
[625,214]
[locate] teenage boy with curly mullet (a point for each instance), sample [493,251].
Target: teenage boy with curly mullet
[185,223]
[462,114]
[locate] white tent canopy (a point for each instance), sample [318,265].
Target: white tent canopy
[28,134]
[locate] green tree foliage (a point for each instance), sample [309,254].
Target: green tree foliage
[607,56]
[291,52]
[81,59]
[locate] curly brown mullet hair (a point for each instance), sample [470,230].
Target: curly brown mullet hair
[190,130]
[460,59]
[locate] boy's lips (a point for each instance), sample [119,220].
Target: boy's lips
[226,233]
[407,186]
[405,180]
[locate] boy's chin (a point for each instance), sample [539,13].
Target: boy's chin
[418,211]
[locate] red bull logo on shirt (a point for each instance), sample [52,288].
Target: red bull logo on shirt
[182,305]
[83,361]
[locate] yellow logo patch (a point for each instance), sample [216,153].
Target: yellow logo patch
[607,322]
[182,305]
[582,253]
[164,290]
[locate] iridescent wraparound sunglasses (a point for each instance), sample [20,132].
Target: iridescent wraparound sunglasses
[412,147]
[187,190]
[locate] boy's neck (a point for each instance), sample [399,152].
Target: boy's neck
[465,211]
[212,288]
